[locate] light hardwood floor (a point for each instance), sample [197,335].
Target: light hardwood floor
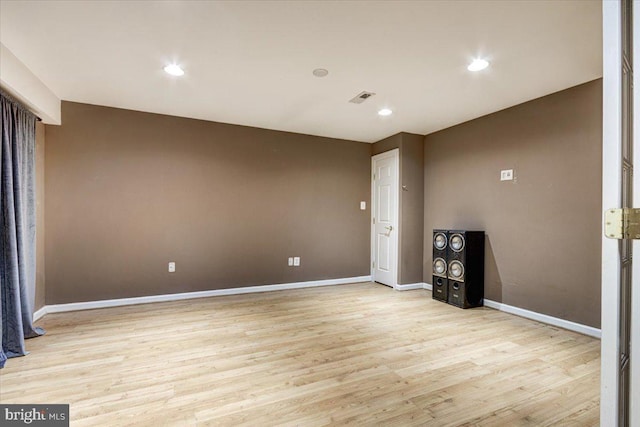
[360,354]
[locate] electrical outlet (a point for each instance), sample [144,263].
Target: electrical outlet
[172,267]
[290,261]
[506,175]
[296,261]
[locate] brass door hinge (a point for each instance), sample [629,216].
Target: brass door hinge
[622,223]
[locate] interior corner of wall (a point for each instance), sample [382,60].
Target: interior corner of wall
[20,82]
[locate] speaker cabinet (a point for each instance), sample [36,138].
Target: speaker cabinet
[465,268]
[458,267]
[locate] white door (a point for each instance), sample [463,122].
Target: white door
[384,217]
[620,364]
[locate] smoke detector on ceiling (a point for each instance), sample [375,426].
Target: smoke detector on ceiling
[361,97]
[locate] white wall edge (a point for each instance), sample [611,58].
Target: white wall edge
[90,305]
[543,318]
[20,82]
[409,287]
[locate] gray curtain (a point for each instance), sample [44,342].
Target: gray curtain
[18,222]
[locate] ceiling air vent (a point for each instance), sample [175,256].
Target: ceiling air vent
[361,97]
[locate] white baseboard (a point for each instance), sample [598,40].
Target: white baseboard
[409,286]
[543,318]
[39,313]
[90,305]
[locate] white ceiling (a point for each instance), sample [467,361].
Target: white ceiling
[251,63]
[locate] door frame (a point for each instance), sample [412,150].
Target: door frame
[395,154]
[634,360]
[611,190]
[611,198]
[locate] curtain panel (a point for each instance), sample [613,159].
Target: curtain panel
[18,222]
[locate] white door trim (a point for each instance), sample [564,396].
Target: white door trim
[611,188]
[395,154]
[634,360]
[611,198]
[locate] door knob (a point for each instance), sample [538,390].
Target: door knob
[389,227]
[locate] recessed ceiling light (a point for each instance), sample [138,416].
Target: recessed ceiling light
[320,72]
[478,64]
[385,112]
[174,70]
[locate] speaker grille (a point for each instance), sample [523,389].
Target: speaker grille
[456,270]
[440,241]
[457,242]
[439,267]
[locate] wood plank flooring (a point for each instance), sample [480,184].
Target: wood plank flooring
[360,354]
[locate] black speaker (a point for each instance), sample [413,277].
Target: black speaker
[440,285]
[465,268]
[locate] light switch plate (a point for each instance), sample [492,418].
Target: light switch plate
[290,261]
[506,175]
[363,206]
[296,261]
[172,267]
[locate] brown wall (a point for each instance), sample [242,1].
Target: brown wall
[412,208]
[40,242]
[411,198]
[386,144]
[127,192]
[543,228]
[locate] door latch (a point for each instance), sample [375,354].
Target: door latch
[622,223]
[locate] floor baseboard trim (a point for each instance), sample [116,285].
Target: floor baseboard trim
[37,315]
[409,286]
[544,318]
[539,317]
[90,305]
